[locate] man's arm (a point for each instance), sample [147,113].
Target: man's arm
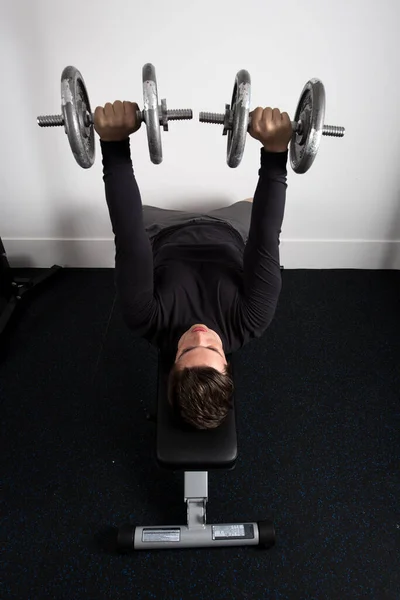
[261,266]
[134,256]
[262,281]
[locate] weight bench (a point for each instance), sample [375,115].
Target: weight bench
[195,453]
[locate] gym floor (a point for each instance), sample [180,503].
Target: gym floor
[318,426]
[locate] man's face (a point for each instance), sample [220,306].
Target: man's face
[200,346]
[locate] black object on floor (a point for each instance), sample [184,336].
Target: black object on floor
[15,289]
[318,434]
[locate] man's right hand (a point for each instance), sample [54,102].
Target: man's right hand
[116,122]
[272,128]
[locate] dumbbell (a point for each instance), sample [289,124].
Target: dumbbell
[77,117]
[308,126]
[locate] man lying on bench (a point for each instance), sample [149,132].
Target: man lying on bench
[197,286]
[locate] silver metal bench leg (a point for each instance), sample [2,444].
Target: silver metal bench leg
[196,534]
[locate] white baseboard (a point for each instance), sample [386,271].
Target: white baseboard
[295,254]
[340,254]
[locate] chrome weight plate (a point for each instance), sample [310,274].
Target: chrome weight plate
[238,118]
[311,114]
[77,113]
[151,114]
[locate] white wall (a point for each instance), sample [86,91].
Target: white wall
[344,213]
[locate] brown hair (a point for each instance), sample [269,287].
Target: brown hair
[200,396]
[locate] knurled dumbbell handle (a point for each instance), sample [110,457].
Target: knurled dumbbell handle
[219,119]
[58,120]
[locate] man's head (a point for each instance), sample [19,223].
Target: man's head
[200,385]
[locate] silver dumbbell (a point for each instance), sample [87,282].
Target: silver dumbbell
[77,117]
[308,126]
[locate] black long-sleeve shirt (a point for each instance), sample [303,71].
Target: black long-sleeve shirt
[195,273]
